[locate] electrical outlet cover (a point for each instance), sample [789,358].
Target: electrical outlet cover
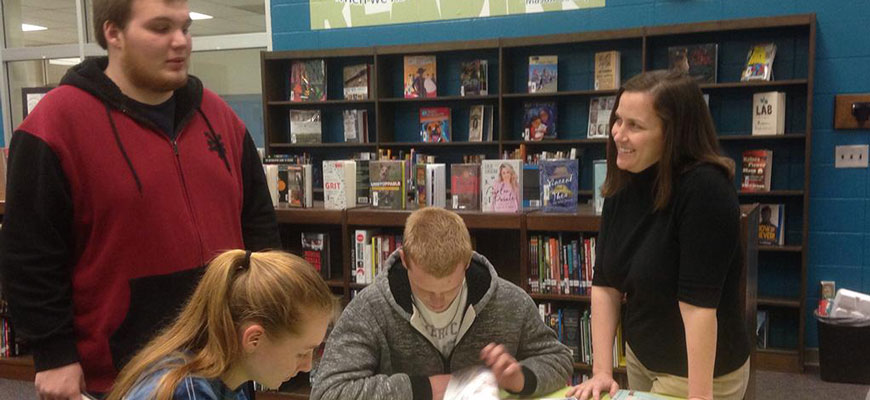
[854,156]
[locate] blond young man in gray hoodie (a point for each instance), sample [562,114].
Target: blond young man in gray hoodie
[438,307]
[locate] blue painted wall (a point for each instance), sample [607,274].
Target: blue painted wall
[840,199]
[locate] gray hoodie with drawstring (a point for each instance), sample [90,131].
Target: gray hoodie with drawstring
[375,352]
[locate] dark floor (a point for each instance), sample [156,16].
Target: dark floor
[771,386]
[783,386]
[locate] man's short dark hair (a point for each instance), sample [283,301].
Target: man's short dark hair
[114,11]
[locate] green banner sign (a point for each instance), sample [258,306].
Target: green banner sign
[332,14]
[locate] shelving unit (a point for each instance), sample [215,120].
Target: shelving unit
[395,124]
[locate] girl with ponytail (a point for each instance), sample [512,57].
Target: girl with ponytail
[254,316]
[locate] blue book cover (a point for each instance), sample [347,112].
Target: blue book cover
[539,121]
[559,184]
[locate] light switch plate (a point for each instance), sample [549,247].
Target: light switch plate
[854,156]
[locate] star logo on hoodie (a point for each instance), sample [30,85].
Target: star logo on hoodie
[216,144]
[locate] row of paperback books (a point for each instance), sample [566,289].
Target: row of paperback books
[561,266]
[370,252]
[574,330]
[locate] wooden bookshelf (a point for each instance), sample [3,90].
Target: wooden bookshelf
[17,368]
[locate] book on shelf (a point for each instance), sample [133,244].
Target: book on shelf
[600,109]
[531,185]
[420,187]
[543,74]
[295,186]
[759,62]
[599,172]
[559,185]
[363,187]
[488,112]
[436,185]
[475,123]
[305,127]
[465,186]
[698,61]
[360,262]
[539,121]
[757,166]
[501,183]
[271,173]
[357,81]
[315,250]
[607,70]
[308,80]
[420,77]
[356,123]
[339,184]
[435,124]
[387,179]
[761,328]
[473,78]
[771,225]
[768,113]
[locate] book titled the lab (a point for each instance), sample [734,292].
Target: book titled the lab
[339,184]
[559,184]
[768,113]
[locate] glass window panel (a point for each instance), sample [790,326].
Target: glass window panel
[48,22]
[32,75]
[219,72]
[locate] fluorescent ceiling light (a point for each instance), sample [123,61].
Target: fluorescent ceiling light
[31,28]
[65,61]
[196,16]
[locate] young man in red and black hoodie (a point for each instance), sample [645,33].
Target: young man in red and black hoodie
[123,182]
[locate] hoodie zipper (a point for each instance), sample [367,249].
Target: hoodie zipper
[174,143]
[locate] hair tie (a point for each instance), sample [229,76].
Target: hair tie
[246,263]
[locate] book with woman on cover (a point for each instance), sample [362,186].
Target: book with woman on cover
[539,121]
[420,77]
[501,186]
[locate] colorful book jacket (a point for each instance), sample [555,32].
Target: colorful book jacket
[387,179]
[315,250]
[759,62]
[559,185]
[308,80]
[539,121]
[419,77]
[771,225]
[473,78]
[356,81]
[465,186]
[757,165]
[435,124]
[296,179]
[501,185]
[543,74]
[698,61]
[600,109]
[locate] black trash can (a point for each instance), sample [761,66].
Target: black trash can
[844,352]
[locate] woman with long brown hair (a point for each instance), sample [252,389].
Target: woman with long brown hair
[669,246]
[254,316]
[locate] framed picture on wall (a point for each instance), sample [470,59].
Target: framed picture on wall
[30,96]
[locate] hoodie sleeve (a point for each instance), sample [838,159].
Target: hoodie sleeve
[36,252]
[349,368]
[259,223]
[546,362]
